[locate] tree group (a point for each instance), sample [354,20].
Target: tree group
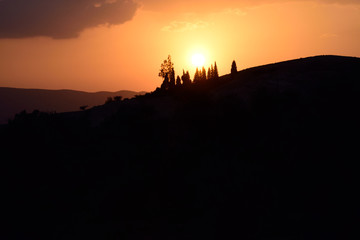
[167,72]
[201,75]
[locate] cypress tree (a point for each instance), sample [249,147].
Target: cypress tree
[172,78]
[183,78]
[197,75]
[203,74]
[233,68]
[216,73]
[212,72]
[188,77]
[178,81]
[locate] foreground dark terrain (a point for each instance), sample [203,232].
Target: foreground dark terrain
[267,153]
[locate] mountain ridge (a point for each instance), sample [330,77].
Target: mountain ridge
[14,100]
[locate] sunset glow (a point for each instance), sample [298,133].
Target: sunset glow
[198,60]
[108,45]
[180,119]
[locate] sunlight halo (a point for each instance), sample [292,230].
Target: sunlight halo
[198,60]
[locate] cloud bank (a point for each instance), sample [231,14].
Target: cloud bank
[60,18]
[67,18]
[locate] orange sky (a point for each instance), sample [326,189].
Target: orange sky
[128,53]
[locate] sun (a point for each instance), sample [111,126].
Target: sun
[198,60]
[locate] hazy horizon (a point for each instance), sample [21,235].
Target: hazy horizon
[76,90]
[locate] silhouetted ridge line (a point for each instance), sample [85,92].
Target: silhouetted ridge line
[264,153]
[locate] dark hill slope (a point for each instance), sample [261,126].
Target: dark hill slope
[269,153]
[15,100]
[313,80]
[303,76]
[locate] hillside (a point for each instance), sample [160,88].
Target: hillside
[15,100]
[307,79]
[303,76]
[267,153]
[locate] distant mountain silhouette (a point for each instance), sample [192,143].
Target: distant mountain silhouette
[270,152]
[15,100]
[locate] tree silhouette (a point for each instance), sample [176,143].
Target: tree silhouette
[203,74]
[183,78]
[166,83]
[178,81]
[215,73]
[83,108]
[172,78]
[211,72]
[166,72]
[197,75]
[117,98]
[186,78]
[233,68]
[166,67]
[109,100]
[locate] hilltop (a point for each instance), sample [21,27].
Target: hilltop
[307,79]
[266,153]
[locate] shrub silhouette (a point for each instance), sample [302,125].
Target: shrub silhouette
[117,98]
[109,100]
[83,108]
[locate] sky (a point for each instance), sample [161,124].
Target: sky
[111,45]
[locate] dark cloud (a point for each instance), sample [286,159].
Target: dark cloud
[60,18]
